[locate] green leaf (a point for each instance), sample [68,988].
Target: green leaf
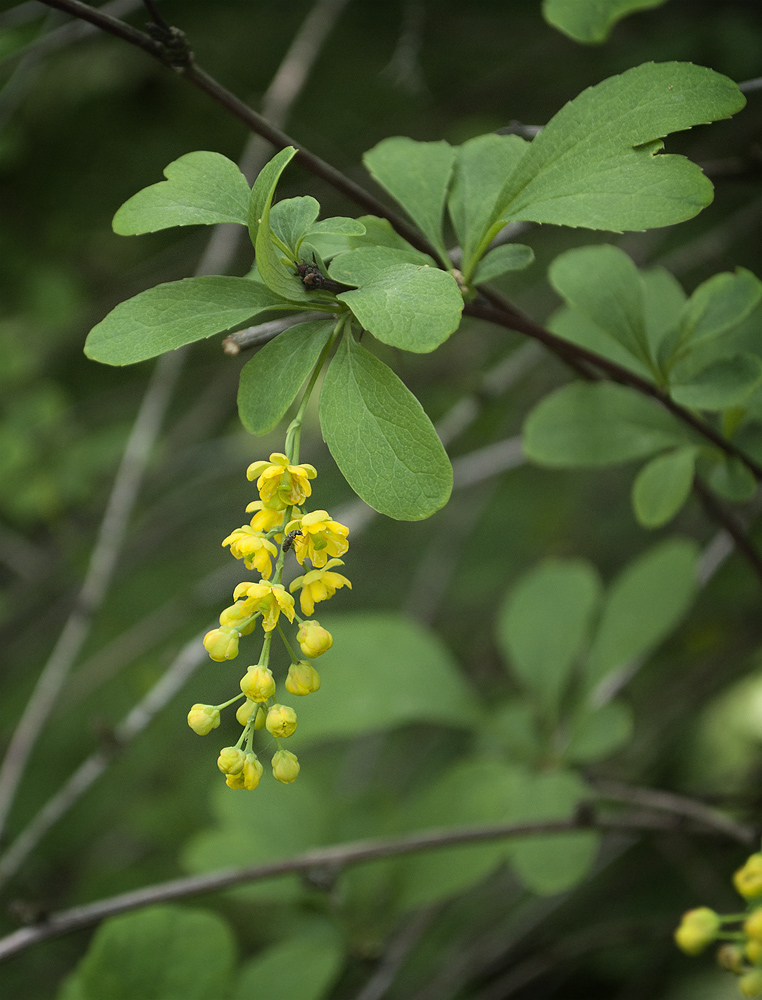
[728,382]
[408,676]
[662,487]
[551,863]
[180,312]
[380,437]
[271,379]
[599,424]
[590,21]
[380,233]
[338,226]
[599,732]
[732,480]
[303,967]
[159,953]
[544,623]
[201,188]
[718,305]
[594,163]
[663,300]
[417,175]
[603,284]
[412,306]
[501,260]
[644,604]
[291,218]
[482,165]
[514,728]
[366,263]
[264,185]
[578,329]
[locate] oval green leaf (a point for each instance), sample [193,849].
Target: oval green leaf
[662,487]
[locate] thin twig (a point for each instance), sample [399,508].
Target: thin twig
[263,333]
[337,856]
[155,14]
[400,947]
[717,512]
[750,85]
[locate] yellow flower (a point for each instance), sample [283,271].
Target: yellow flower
[258,684]
[697,929]
[302,679]
[230,760]
[753,951]
[313,639]
[222,644]
[235,616]
[269,598]
[753,924]
[281,721]
[203,719]
[244,711]
[320,537]
[319,585]
[748,880]
[256,551]
[266,517]
[280,484]
[750,985]
[250,774]
[285,767]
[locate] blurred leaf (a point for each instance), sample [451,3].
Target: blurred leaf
[291,218]
[272,378]
[379,233]
[578,329]
[362,265]
[544,623]
[201,188]
[303,967]
[515,730]
[718,305]
[502,260]
[732,479]
[417,175]
[585,424]
[643,605]
[412,306]
[663,301]
[590,21]
[481,167]
[728,382]
[380,437]
[384,671]
[583,167]
[159,953]
[180,312]
[662,487]
[599,732]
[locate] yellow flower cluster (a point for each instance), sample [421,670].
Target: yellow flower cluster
[741,948]
[278,525]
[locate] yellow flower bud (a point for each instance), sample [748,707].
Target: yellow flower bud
[230,760]
[285,767]
[313,639]
[245,710]
[697,929]
[258,683]
[753,951]
[750,984]
[281,720]
[753,924]
[730,957]
[748,880]
[302,679]
[221,644]
[235,780]
[251,773]
[234,616]
[203,719]
[259,718]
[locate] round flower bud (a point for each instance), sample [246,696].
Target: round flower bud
[697,929]
[313,639]
[281,720]
[258,683]
[730,957]
[234,616]
[748,880]
[230,760]
[222,644]
[252,771]
[285,767]
[235,780]
[245,710]
[203,719]
[753,924]
[750,984]
[302,679]
[753,951]
[260,718]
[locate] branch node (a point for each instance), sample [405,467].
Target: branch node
[175,48]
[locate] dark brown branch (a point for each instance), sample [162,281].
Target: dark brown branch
[109,24]
[337,857]
[718,512]
[156,16]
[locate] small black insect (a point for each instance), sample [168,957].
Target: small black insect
[314,280]
[288,541]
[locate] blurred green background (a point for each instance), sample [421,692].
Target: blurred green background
[85,124]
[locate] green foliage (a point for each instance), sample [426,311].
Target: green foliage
[721,385]
[380,437]
[718,305]
[272,378]
[598,731]
[201,188]
[301,968]
[590,21]
[160,953]
[662,486]
[502,260]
